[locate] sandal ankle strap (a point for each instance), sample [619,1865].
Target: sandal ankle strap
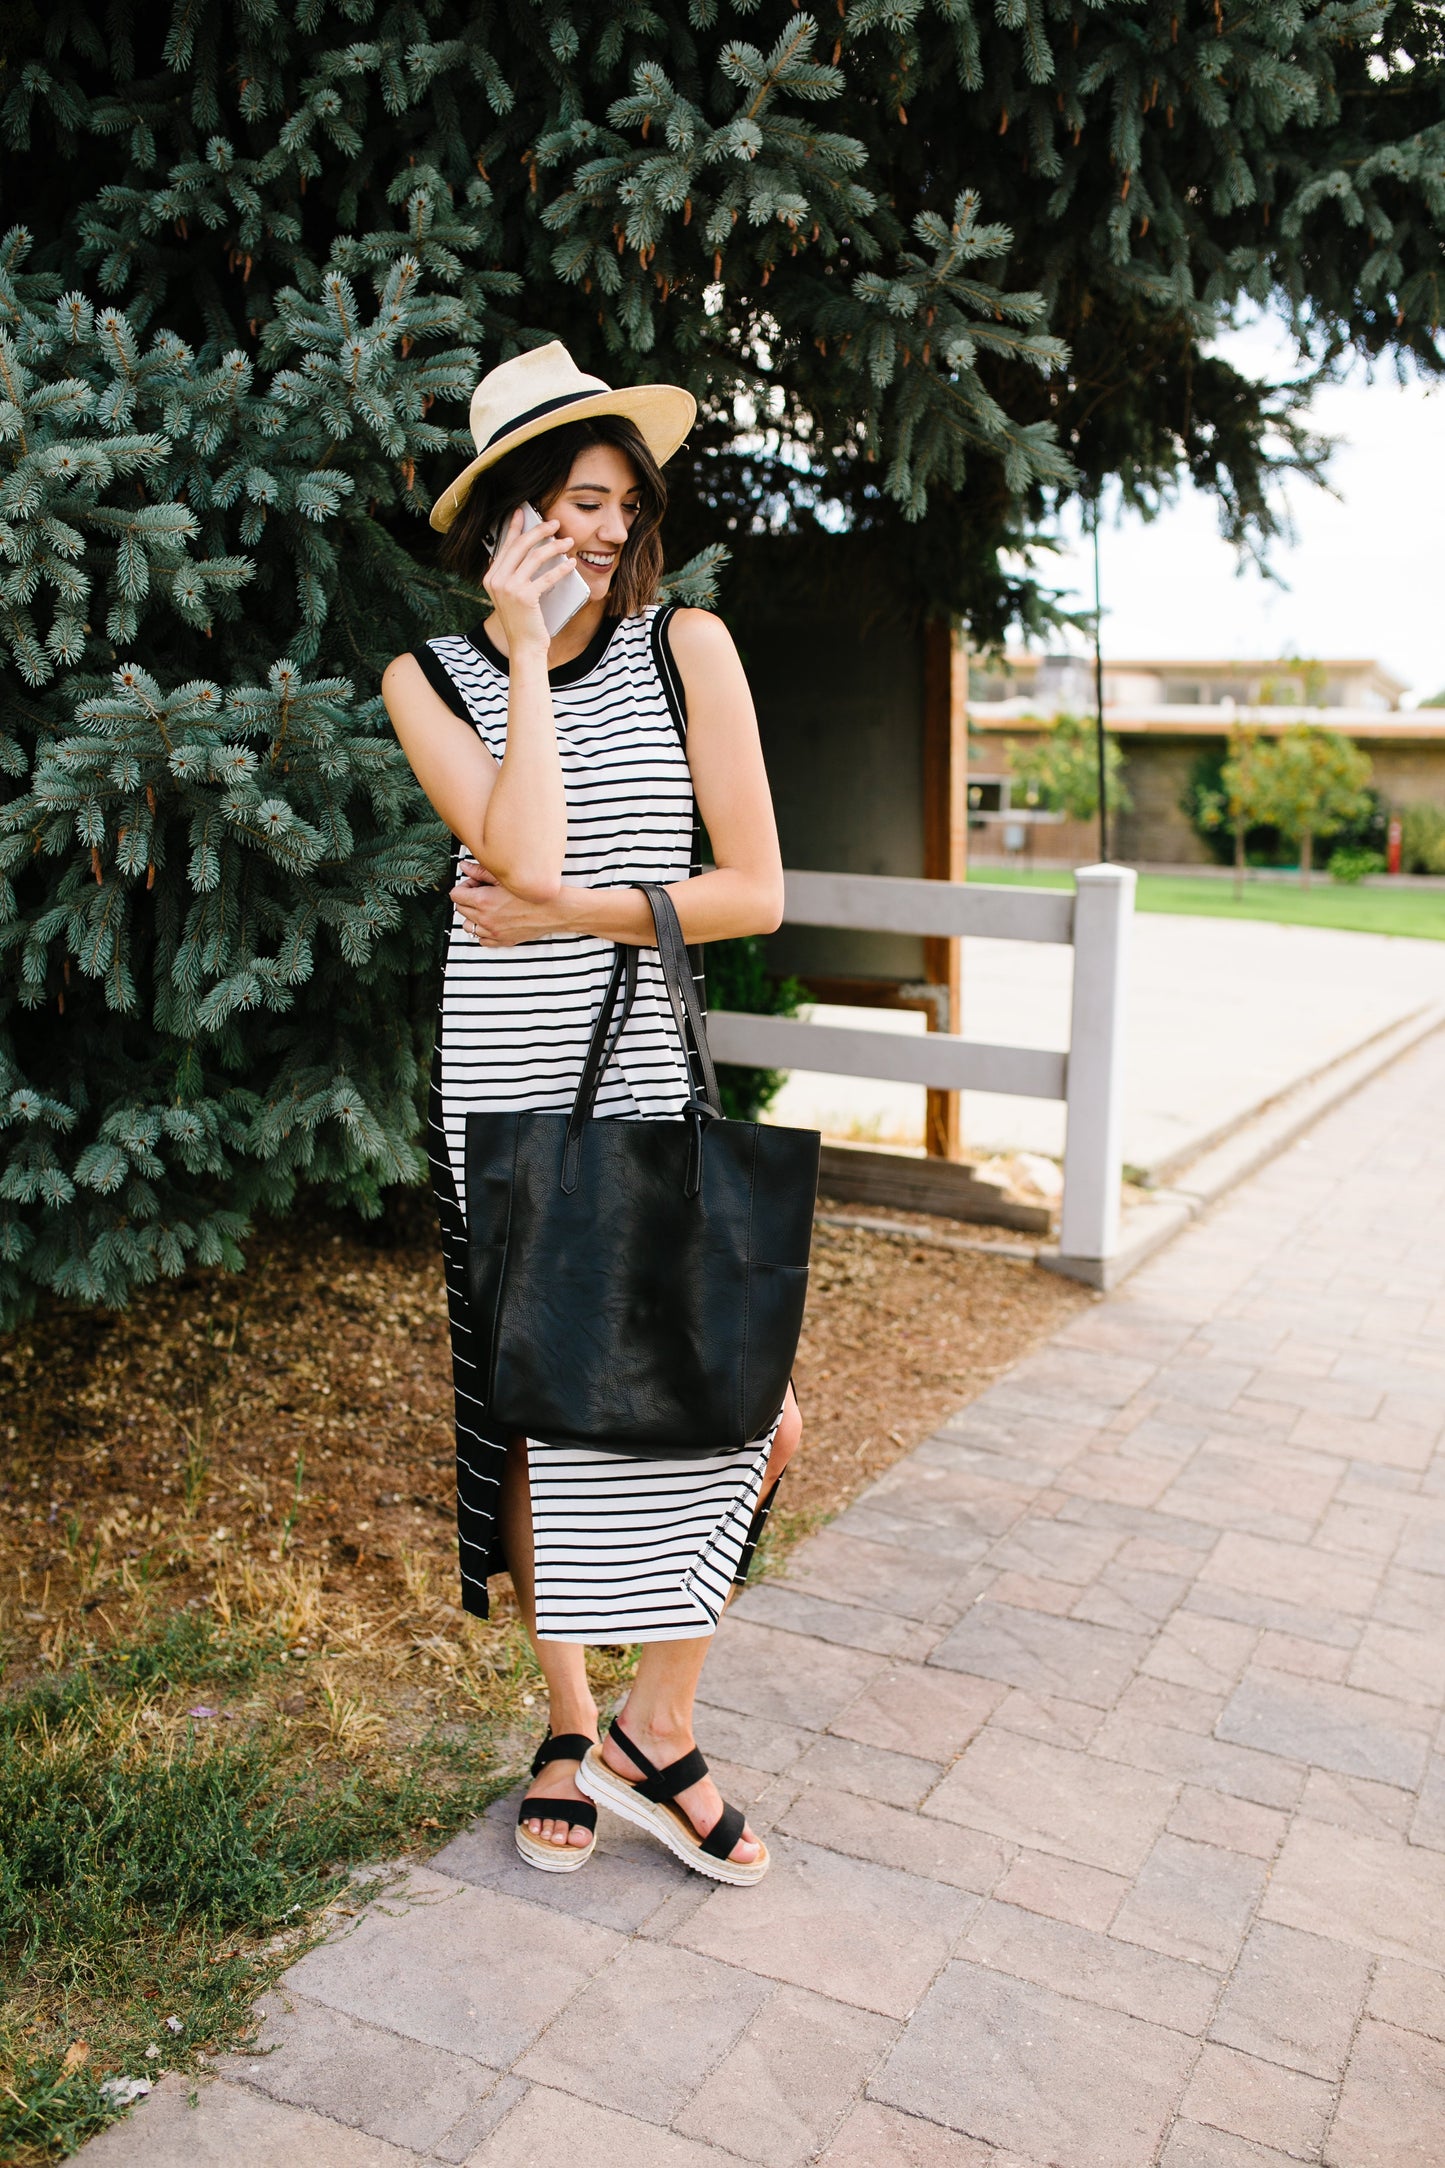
[566,1746]
[661,1785]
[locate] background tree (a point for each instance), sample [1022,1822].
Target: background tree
[926,269]
[1059,770]
[1308,783]
[1242,793]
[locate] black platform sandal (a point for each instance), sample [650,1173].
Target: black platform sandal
[648,1803]
[576,1813]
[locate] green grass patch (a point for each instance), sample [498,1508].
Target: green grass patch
[157,1867]
[1415,914]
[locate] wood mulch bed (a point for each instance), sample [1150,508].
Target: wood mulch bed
[291,1425]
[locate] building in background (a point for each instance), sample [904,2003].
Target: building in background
[1164,715]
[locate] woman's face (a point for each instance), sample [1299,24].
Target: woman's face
[594,512]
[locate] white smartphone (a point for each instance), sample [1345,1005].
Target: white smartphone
[561,603]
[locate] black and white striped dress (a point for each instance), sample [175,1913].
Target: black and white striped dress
[626,1549]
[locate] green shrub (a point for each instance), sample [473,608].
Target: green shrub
[1352,864]
[1422,839]
[738,978]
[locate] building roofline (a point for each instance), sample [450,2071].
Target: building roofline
[1408,726]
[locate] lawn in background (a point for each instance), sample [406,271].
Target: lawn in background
[1418,914]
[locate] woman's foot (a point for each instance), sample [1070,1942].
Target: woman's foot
[702,1803]
[558,1780]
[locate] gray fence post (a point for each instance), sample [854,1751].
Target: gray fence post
[1089,1222]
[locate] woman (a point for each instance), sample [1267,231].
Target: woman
[570,769]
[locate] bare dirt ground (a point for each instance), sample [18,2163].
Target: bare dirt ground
[282,1436]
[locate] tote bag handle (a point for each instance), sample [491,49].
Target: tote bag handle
[687,1017]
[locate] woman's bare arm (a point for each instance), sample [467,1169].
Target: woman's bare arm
[512,817]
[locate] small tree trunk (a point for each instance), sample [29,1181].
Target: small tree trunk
[1306,858]
[1238,860]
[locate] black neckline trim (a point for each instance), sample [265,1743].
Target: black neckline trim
[567,673]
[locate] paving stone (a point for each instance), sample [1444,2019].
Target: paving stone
[1128,1477]
[1236,1824]
[1333,1727]
[1246,1771]
[626,1879]
[910,1707]
[1043,1796]
[902,1780]
[1094,1376]
[848,1928]
[1021,2066]
[1310,1659]
[371,2078]
[1160,1701]
[784,2087]
[884,1576]
[421,1966]
[1206,1653]
[1407,1666]
[918,1844]
[1096,1967]
[644,2033]
[852,1625]
[1204,1380]
[1379,1810]
[1370,1529]
[1029,1592]
[1062,1890]
[1257,1566]
[1195,2145]
[550,2130]
[1390,1444]
[1294,1999]
[1408,1996]
[960,1538]
[1047,1716]
[1130,1599]
[1059,1550]
[231,2125]
[1375,1894]
[1259,2101]
[1427,1825]
[1392,2104]
[1278,1492]
[1045,1655]
[1266,1612]
[758,1671]
[875,2137]
[1192,1901]
[756,1741]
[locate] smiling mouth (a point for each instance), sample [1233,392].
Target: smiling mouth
[598,563]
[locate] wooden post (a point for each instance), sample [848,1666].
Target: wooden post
[945,844]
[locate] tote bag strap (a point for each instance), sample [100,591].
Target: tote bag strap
[686,1015]
[682,990]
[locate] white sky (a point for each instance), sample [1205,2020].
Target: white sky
[1364,577]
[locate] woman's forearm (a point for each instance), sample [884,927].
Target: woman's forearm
[714,906]
[524,829]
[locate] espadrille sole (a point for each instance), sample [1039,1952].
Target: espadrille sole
[553,1858]
[667,1824]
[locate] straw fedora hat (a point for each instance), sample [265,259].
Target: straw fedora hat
[544,388]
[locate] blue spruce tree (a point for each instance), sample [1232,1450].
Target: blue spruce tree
[928,264]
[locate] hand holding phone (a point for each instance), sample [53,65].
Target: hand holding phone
[561,603]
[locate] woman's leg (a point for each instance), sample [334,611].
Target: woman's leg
[570,1706]
[657,1715]
[657,1718]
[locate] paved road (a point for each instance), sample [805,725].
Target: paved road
[1100,1747]
[1222,1016]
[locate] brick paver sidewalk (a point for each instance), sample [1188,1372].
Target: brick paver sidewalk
[1099,1746]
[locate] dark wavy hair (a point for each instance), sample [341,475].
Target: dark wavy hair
[536,473]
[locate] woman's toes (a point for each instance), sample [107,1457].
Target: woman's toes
[578,1835]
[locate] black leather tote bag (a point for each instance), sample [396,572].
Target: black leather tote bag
[638,1286]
